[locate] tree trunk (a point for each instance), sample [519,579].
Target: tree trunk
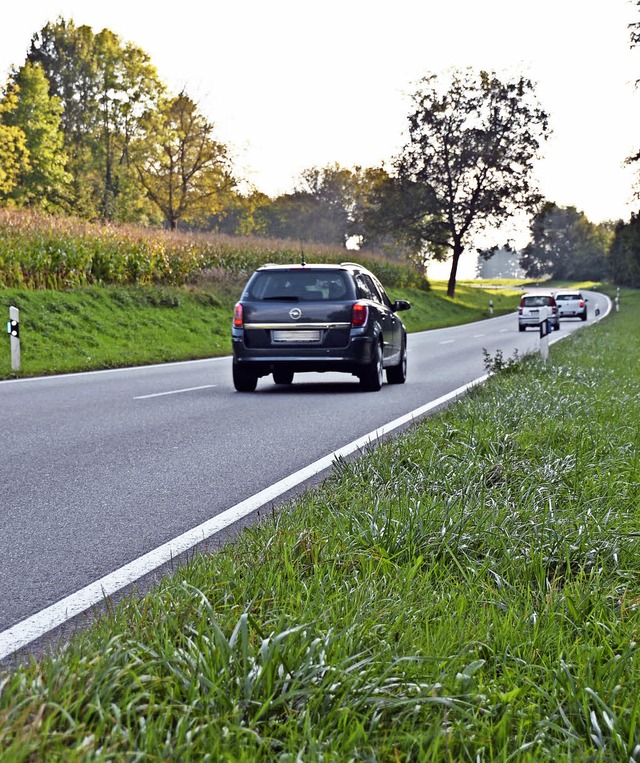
[451,286]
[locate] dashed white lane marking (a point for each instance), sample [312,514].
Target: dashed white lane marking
[173,392]
[448,341]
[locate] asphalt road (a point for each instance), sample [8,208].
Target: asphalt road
[100,468]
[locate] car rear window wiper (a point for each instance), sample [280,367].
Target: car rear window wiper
[283,297]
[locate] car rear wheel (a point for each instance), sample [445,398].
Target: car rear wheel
[371,377]
[398,374]
[281,376]
[244,379]
[521,327]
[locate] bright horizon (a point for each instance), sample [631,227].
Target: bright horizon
[291,86]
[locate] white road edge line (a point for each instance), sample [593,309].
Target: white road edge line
[174,392]
[23,633]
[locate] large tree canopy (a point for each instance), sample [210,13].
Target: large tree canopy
[105,87]
[473,139]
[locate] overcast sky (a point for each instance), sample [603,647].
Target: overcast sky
[292,84]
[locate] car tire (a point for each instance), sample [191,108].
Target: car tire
[583,317]
[282,376]
[371,377]
[521,328]
[398,374]
[557,326]
[244,379]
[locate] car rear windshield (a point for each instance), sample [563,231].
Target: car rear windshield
[569,297]
[536,301]
[299,285]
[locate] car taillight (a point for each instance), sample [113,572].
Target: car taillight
[359,315]
[238,318]
[582,303]
[519,311]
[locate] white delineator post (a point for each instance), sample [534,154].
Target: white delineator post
[544,333]
[13,329]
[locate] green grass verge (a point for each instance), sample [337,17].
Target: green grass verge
[104,327]
[468,591]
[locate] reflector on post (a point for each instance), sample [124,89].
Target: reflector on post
[13,329]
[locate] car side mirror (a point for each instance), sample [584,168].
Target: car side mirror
[401,304]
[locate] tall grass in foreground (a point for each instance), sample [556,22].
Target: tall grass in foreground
[468,591]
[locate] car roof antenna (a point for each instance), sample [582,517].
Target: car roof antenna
[302,262]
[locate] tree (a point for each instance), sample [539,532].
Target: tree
[634,29]
[634,35]
[565,244]
[624,254]
[241,214]
[472,144]
[300,216]
[14,155]
[44,183]
[336,206]
[390,215]
[333,192]
[500,262]
[321,207]
[184,171]
[105,87]
[129,89]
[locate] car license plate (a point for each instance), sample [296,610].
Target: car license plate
[296,335]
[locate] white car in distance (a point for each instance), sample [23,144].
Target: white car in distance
[571,304]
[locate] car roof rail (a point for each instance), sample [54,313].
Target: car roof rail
[353,264]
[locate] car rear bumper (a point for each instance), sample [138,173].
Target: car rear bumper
[264,360]
[535,320]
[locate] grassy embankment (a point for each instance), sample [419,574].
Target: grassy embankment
[92,297]
[468,591]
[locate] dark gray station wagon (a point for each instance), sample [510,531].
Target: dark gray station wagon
[296,318]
